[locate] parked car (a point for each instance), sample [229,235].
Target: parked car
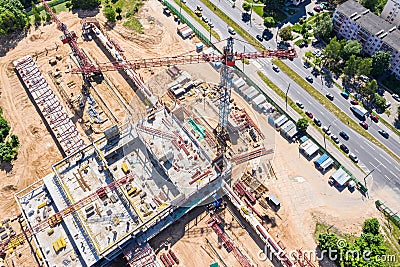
[211,24]
[364,125]
[335,138]
[344,135]
[315,42]
[259,37]
[298,103]
[309,114]
[330,96]
[396,97]
[384,133]
[199,8]
[205,19]
[326,130]
[311,13]
[353,157]
[354,102]
[317,122]
[374,117]
[345,94]
[309,79]
[306,64]
[267,34]
[231,31]
[344,148]
[317,8]
[388,104]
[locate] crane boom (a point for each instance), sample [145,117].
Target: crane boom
[58,217]
[68,37]
[181,60]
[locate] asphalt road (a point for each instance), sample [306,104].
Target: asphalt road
[372,158]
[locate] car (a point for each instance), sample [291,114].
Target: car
[311,13]
[199,8]
[330,96]
[354,102]
[353,157]
[183,1]
[302,44]
[315,42]
[316,51]
[317,8]
[364,125]
[303,17]
[344,135]
[388,104]
[231,31]
[326,130]
[396,97]
[306,64]
[259,37]
[205,19]
[374,117]
[198,13]
[335,138]
[309,79]
[345,94]
[275,68]
[267,34]
[318,54]
[298,103]
[384,133]
[309,114]
[211,24]
[344,148]
[317,122]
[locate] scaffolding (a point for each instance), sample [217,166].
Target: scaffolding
[47,102]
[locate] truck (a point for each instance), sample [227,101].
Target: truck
[359,111]
[321,159]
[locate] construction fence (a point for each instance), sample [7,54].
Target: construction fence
[388,212]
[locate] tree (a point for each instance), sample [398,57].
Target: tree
[380,102]
[308,54]
[272,5]
[323,28]
[380,63]
[118,10]
[352,47]
[302,125]
[68,5]
[364,66]
[12,17]
[370,89]
[85,4]
[350,68]
[14,141]
[286,33]
[109,13]
[4,129]
[246,6]
[6,152]
[327,241]
[332,51]
[269,22]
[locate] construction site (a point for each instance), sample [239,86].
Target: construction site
[155,154]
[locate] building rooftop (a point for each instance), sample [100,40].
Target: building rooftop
[350,8]
[126,184]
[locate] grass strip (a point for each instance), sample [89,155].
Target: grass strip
[247,36]
[328,105]
[199,20]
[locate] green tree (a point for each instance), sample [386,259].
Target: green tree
[380,102]
[308,54]
[327,241]
[302,124]
[371,226]
[269,22]
[14,141]
[68,5]
[364,66]
[12,17]
[324,27]
[369,89]
[246,6]
[286,33]
[273,5]
[4,129]
[352,47]
[109,13]
[85,4]
[6,152]
[332,51]
[118,10]
[380,63]
[350,68]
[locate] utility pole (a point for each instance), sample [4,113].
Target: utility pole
[287,91]
[210,30]
[325,135]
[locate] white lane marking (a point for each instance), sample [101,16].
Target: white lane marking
[370,146]
[362,148]
[356,151]
[380,164]
[387,177]
[257,65]
[394,175]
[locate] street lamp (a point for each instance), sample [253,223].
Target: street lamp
[325,133]
[287,91]
[180,7]
[209,25]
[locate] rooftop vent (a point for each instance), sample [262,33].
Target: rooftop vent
[357,17]
[353,15]
[365,12]
[392,29]
[383,35]
[378,33]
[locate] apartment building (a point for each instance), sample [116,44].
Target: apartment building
[391,12]
[352,21]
